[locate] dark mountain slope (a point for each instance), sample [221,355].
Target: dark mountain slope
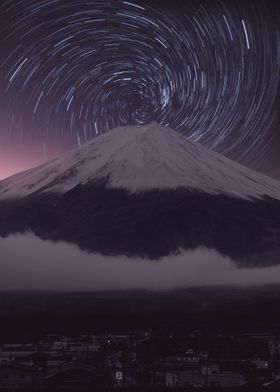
[150,224]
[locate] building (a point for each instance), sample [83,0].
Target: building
[206,376]
[17,376]
[76,374]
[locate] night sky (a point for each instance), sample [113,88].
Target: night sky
[70,70]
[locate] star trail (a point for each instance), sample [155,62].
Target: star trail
[71,70]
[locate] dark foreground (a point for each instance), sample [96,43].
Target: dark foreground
[96,389]
[194,339]
[33,314]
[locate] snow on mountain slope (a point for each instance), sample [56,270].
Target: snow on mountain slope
[142,158]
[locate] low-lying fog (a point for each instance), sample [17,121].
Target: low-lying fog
[29,263]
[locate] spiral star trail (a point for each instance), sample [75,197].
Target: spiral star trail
[71,70]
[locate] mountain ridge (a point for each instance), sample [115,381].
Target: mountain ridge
[143,158]
[123,206]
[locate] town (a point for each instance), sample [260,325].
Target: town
[146,360]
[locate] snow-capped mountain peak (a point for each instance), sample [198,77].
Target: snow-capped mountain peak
[142,158]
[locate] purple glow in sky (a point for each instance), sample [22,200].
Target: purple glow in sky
[71,70]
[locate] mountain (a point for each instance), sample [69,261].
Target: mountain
[141,159]
[147,191]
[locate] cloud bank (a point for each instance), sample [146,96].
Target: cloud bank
[29,263]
